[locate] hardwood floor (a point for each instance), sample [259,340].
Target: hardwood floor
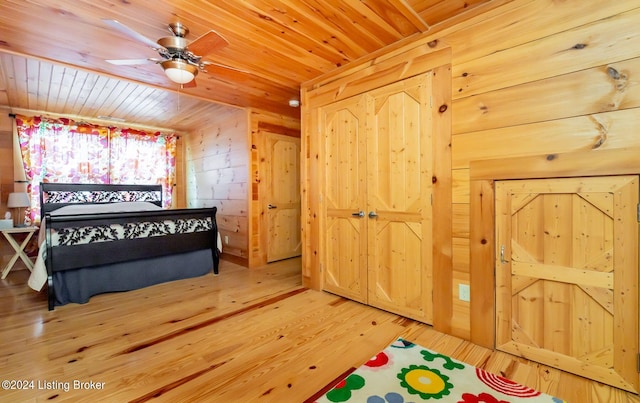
[243,336]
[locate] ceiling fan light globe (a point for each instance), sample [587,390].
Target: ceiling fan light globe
[178,71]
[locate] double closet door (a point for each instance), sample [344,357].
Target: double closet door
[377,198]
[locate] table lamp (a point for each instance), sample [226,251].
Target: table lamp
[18,200]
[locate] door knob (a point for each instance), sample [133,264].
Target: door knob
[372,214]
[358,214]
[270,206]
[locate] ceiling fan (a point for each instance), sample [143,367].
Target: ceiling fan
[180,59]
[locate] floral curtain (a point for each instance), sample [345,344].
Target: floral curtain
[65,151]
[144,159]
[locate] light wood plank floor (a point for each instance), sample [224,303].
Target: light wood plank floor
[243,336]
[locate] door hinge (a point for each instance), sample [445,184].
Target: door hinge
[638,362]
[638,215]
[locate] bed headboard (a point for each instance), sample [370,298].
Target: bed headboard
[56,195]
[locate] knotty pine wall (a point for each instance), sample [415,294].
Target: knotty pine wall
[223,170]
[6,159]
[529,77]
[539,77]
[6,177]
[217,174]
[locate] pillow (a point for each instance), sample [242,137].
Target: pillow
[124,207]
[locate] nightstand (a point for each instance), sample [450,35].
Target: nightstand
[18,248]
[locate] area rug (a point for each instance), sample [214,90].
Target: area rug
[406,372]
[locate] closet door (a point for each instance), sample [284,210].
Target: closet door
[399,198]
[345,236]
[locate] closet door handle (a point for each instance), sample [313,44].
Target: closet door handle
[270,206]
[358,214]
[372,214]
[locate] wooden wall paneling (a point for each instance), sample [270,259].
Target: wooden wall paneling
[179,196]
[7,184]
[311,174]
[6,168]
[460,220]
[258,247]
[230,190]
[217,169]
[524,21]
[460,309]
[601,131]
[600,89]
[460,185]
[233,224]
[460,261]
[580,163]
[580,48]
[481,274]
[460,318]
[441,203]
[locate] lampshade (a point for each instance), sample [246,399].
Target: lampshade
[18,199]
[179,71]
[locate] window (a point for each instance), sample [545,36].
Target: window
[64,151]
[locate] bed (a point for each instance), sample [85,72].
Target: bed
[99,238]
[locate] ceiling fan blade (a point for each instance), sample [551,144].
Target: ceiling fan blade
[118,26]
[130,62]
[224,66]
[207,43]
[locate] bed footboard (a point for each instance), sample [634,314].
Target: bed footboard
[79,241]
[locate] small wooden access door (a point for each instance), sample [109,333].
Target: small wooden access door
[567,275]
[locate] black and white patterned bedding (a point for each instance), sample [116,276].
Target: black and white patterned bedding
[114,232]
[105,233]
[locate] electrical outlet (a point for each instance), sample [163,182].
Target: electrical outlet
[226,239]
[464,292]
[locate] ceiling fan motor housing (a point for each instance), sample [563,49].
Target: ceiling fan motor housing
[178,29]
[173,44]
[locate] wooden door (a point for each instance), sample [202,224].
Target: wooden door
[283,197]
[567,275]
[345,250]
[399,198]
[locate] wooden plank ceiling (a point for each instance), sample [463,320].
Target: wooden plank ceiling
[53,52]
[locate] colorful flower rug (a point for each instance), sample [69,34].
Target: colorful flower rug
[405,372]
